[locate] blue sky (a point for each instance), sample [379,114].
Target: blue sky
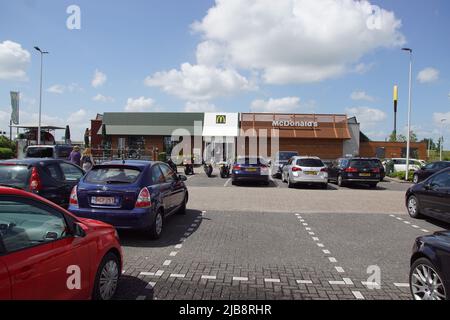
[275,61]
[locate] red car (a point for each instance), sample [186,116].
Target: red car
[46,253]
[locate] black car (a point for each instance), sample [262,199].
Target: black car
[348,171]
[430,197]
[429,277]
[52,179]
[429,170]
[380,165]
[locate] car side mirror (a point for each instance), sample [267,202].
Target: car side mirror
[51,236]
[78,230]
[182,177]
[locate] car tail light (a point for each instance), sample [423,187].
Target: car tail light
[35,180]
[296,169]
[237,167]
[376,170]
[350,169]
[144,199]
[73,201]
[324,170]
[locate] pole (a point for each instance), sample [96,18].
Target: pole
[395,111]
[40,105]
[441,144]
[408,141]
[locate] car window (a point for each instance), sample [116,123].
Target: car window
[442,180]
[14,175]
[71,172]
[53,171]
[39,152]
[112,175]
[363,164]
[283,156]
[24,224]
[63,152]
[314,163]
[430,166]
[157,175]
[168,173]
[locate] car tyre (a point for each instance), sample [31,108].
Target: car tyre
[340,181]
[290,184]
[182,210]
[325,186]
[412,205]
[157,226]
[421,289]
[107,278]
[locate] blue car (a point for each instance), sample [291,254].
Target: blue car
[136,195]
[250,169]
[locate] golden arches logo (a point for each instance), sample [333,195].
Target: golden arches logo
[221,119]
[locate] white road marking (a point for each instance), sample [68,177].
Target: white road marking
[332,259]
[326,251]
[406,222]
[400,219]
[141,298]
[391,215]
[190,229]
[240,279]
[183,239]
[414,226]
[209,277]
[401,285]
[315,238]
[358,295]
[340,282]
[176,275]
[371,285]
[147,274]
[193,225]
[339,269]
[308,229]
[167,263]
[297,214]
[311,233]
[305,224]
[320,245]
[425,230]
[150,285]
[302,220]
[178,246]
[227,182]
[304,282]
[348,281]
[173,254]
[272,280]
[159,273]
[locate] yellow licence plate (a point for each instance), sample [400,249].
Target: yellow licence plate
[250,169]
[364,174]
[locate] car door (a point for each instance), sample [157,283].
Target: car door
[53,182]
[177,186]
[35,237]
[5,281]
[71,175]
[332,170]
[159,182]
[436,198]
[287,168]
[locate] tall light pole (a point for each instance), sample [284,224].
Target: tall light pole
[408,140]
[441,144]
[40,96]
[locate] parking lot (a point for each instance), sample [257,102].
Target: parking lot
[271,242]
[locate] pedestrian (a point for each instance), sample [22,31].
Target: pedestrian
[75,156]
[87,161]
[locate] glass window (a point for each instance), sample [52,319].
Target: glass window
[314,163]
[14,175]
[71,172]
[363,164]
[53,171]
[157,175]
[430,166]
[24,224]
[168,173]
[39,152]
[112,175]
[441,180]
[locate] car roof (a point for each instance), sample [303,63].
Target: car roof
[134,163]
[30,161]
[306,157]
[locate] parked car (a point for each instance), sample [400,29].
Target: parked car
[49,151]
[279,160]
[430,197]
[250,169]
[50,178]
[305,170]
[132,194]
[429,169]
[347,171]
[46,253]
[400,164]
[381,166]
[429,277]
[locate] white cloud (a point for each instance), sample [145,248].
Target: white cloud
[287,104]
[295,41]
[60,88]
[57,88]
[14,61]
[141,104]
[101,98]
[428,75]
[368,117]
[99,79]
[361,95]
[199,82]
[438,116]
[199,106]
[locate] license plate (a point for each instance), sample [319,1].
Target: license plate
[364,174]
[251,169]
[103,201]
[311,173]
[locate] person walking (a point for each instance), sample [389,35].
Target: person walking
[87,161]
[75,156]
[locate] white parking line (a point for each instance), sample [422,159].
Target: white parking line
[326,251]
[240,279]
[173,254]
[348,281]
[425,230]
[272,280]
[320,245]
[391,215]
[209,277]
[358,295]
[398,218]
[167,263]
[151,274]
[340,282]
[305,224]
[150,285]
[159,273]
[315,238]
[414,226]
[308,229]
[304,282]
[401,285]
[406,222]
[371,285]
[227,182]
[178,246]
[339,269]
[332,259]
[176,275]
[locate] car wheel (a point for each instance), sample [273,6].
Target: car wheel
[426,282]
[157,227]
[416,179]
[413,207]
[340,181]
[107,278]
[325,186]
[289,183]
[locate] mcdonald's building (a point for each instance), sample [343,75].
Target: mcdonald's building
[328,136]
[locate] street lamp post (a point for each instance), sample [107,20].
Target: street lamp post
[441,144]
[408,140]
[40,96]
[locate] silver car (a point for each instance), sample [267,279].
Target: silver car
[305,170]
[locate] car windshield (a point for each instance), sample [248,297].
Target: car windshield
[112,175]
[14,175]
[314,163]
[284,156]
[363,164]
[40,152]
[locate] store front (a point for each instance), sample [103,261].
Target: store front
[220,131]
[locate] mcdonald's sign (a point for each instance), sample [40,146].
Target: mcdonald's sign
[221,119]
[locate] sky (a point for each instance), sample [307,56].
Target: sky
[296,56]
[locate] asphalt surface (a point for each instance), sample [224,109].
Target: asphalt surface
[255,242]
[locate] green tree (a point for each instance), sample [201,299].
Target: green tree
[430,143]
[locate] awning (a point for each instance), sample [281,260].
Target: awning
[221,124]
